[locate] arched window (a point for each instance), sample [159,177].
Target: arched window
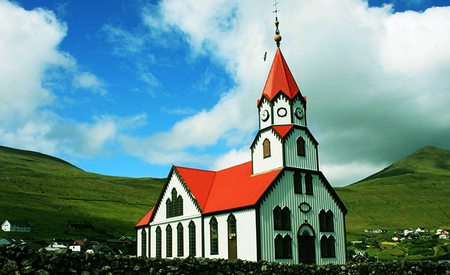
[278,247]
[169,212]
[286,218]
[214,237]
[297,182]
[308,184]
[283,247]
[266,148]
[144,242]
[287,247]
[277,220]
[322,221]
[300,147]
[180,240]
[158,242]
[192,245]
[169,241]
[330,221]
[327,247]
[180,205]
[326,221]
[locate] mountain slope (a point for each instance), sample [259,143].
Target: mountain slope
[412,192]
[51,193]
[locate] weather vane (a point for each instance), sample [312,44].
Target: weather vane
[277,36]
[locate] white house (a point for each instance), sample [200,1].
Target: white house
[16,226]
[277,207]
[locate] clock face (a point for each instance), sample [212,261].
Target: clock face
[265,115]
[282,112]
[299,113]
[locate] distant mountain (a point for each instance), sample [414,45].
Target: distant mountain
[412,192]
[51,193]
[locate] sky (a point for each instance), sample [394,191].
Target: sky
[129,88]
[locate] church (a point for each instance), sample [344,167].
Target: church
[278,207]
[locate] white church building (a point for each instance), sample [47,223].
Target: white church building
[278,207]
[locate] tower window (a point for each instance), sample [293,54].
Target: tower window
[297,182]
[301,147]
[266,148]
[308,184]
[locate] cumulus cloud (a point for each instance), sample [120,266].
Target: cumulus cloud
[29,53]
[375,79]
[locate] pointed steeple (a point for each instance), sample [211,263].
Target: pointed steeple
[280,79]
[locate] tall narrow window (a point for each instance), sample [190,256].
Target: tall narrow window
[214,237]
[308,184]
[322,221]
[180,205]
[331,247]
[144,242]
[169,241]
[180,240]
[330,221]
[266,148]
[278,247]
[158,242]
[277,220]
[297,182]
[287,247]
[286,218]
[169,212]
[192,245]
[300,147]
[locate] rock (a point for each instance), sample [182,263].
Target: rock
[9,266]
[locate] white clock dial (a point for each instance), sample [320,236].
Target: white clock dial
[265,115]
[282,112]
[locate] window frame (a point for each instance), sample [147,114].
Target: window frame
[266,148]
[180,240]
[213,236]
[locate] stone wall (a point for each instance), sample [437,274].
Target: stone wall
[24,260]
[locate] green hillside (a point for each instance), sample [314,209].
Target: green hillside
[412,192]
[51,193]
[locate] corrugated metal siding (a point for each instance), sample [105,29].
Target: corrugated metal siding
[309,161]
[283,195]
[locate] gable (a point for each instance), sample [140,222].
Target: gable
[174,182]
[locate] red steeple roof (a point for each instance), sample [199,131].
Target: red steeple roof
[280,79]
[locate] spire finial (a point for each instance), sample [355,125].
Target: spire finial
[277,36]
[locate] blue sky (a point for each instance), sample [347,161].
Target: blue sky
[131,87]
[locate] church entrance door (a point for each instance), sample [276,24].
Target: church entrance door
[306,245]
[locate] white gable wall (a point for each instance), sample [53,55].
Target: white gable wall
[245,235]
[261,164]
[265,106]
[189,207]
[309,161]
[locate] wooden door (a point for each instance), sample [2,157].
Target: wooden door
[306,249]
[232,237]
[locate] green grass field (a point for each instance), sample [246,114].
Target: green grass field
[51,193]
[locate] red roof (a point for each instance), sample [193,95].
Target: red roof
[280,79]
[231,188]
[146,219]
[283,130]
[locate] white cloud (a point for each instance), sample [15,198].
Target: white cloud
[89,81]
[232,158]
[376,81]
[347,173]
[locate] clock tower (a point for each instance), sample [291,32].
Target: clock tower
[283,139]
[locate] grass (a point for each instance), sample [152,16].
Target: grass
[51,193]
[410,193]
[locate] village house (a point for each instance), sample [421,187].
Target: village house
[16,226]
[277,207]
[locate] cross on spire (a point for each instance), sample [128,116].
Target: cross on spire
[277,36]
